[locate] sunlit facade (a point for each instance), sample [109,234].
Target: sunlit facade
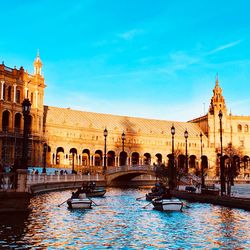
[75,138]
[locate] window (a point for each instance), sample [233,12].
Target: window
[31,98]
[246,128]
[18,94]
[239,128]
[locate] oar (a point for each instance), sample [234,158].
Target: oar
[61,203]
[147,205]
[93,202]
[140,197]
[185,204]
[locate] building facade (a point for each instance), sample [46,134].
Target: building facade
[75,138]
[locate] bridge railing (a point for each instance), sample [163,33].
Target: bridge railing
[7,181]
[43,178]
[125,168]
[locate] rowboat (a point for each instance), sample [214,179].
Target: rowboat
[167,204]
[81,202]
[97,192]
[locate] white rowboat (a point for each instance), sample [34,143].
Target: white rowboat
[167,204]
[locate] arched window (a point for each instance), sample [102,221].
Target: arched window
[98,158]
[18,95]
[17,125]
[5,120]
[239,128]
[60,156]
[111,158]
[135,158]
[31,98]
[85,157]
[246,128]
[123,158]
[4,91]
[147,159]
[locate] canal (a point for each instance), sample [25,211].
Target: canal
[121,222]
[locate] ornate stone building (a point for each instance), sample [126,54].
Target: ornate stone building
[75,138]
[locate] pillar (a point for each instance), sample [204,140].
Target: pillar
[2,85]
[14,99]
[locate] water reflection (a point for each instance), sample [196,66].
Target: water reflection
[121,222]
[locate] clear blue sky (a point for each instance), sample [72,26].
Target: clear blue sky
[145,58]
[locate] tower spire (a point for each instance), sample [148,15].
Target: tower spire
[217,80]
[38,64]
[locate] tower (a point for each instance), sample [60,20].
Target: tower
[217,104]
[37,65]
[217,101]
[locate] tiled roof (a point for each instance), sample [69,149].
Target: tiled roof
[83,119]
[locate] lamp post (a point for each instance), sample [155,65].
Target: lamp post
[222,170]
[26,106]
[172,178]
[105,134]
[45,146]
[202,167]
[123,153]
[73,162]
[186,158]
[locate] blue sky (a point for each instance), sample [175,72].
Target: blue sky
[146,58]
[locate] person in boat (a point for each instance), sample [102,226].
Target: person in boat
[167,194]
[74,195]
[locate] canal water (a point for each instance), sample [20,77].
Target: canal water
[122,222]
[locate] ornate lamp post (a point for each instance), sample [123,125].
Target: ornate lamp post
[105,134]
[123,153]
[73,162]
[26,106]
[172,176]
[45,146]
[202,167]
[222,170]
[186,158]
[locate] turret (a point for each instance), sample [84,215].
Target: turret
[37,65]
[217,101]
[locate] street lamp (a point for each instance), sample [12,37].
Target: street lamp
[73,162]
[172,176]
[45,146]
[123,153]
[26,106]
[186,137]
[105,134]
[202,167]
[222,170]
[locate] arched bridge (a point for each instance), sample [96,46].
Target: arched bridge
[126,173]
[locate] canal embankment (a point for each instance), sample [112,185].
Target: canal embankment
[227,201]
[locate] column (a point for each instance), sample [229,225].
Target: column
[2,85]
[26,92]
[14,100]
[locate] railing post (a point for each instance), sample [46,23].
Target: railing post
[22,180]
